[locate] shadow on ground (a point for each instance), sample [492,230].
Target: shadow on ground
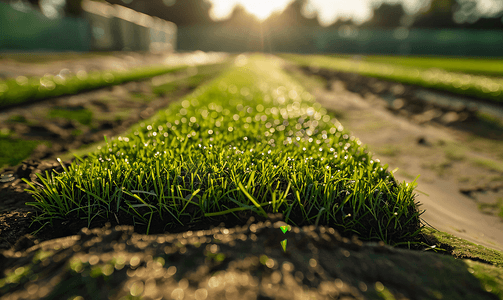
[244,262]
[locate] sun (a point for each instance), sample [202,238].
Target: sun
[259,8]
[263,8]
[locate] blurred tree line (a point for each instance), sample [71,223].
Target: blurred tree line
[461,14]
[452,14]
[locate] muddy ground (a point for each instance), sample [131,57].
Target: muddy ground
[220,261]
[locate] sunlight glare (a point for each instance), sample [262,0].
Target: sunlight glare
[260,8]
[264,8]
[328,10]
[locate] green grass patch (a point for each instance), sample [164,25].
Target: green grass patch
[141,97]
[389,150]
[406,174]
[466,84]
[201,74]
[488,164]
[495,208]
[490,277]
[311,82]
[479,66]
[17,119]
[81,115]
[497,178]
[251,142]
[45,58]
[440,168]
[13,151]
[492,208]
[492,121]
[166,88]
[454,152]
[77,132]
[463,249]
[483,263]
[464,179]
[197,76]
[24,89]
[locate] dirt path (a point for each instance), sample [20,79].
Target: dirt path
[448,159]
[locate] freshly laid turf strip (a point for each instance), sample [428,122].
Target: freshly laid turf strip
[490,88]
[469,65]
[251,142]
[23,89]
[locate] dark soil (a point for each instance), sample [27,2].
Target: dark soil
[202,261]
[245,262]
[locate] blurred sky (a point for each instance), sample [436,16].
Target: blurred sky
[330,10]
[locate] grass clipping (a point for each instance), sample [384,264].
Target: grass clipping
[249,143]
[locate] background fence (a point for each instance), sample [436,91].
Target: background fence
[103,27]
[346,39]
[31,30]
